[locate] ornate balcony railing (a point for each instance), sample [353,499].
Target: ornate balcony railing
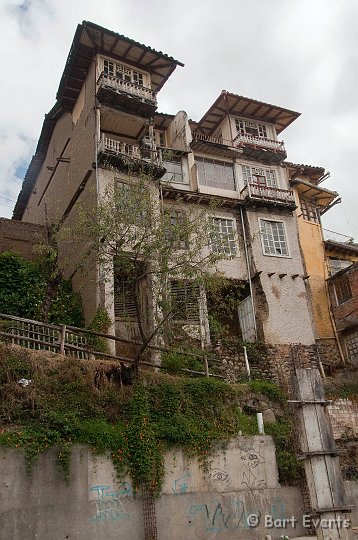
[273,194]
[127,87]
[130,156]
[119,147]
[252,140]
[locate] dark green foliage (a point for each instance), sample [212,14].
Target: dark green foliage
[174,362]
[289,467]
[100,323]
[268,389]
[343,390]
[23,287]
[62,406]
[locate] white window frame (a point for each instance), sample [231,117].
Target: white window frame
[224,241]
[129,74]
[241,124]
[270,175]
[282,256]
[174,176]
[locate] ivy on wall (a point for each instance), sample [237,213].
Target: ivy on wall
[23,286]
[70,401]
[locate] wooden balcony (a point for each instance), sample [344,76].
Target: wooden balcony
[221,147]
[126,96]
[130,157]
[268,195]
[260,148]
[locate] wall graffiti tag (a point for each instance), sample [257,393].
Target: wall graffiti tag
[230,514]
[109,504]
[180,485]
[253,473]
[226,515]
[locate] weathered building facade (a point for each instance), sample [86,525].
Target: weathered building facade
[106,117]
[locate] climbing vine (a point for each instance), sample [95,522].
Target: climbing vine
[70,401]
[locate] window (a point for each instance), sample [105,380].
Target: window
[217,174]
[174,171]
[352,345]
[159,138]
[309,210]
[258,176]
[273,238]
[342,288]
[124,305]
[185,301]
[176,231]
[246,127]
[122,72]
[223,237]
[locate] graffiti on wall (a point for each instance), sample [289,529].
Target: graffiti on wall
[252,470]
[108,504]
[180,485]
[220,476]
[231,514]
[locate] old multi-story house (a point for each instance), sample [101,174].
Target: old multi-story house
[106,113]
[324,253]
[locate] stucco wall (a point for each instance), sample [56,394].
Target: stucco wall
[21,237]
[314,257]
[241,481]
[285,315]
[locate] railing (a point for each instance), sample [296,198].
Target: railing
[252,140]
[72,341]
[267,193]
[210,139]
[119,147]
[127,87]
[337,237]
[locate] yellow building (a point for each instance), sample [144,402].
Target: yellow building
[312,201]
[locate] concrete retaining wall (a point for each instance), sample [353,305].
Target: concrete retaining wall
[241,481]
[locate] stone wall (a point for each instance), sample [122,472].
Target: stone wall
[271,362]
[239,488]
[21,237]
[329,354]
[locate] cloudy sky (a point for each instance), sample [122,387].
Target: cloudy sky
[299,54]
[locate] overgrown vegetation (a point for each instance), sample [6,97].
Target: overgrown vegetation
[338,390]
[23,288]
[70,401]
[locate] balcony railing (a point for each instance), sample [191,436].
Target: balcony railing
[273,194]
[252,140]
[119,147]
[125,156]
[211,139]
[127,87]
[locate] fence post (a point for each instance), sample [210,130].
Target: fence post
[62,339]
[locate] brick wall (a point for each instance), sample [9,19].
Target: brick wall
[346,312]
[344,418]
[20,237]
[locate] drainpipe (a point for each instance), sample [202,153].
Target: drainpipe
[248,270]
